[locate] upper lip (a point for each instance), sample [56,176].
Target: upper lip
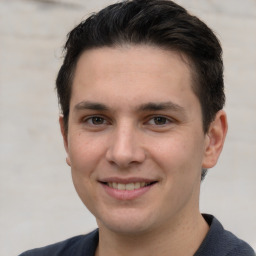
[126,180]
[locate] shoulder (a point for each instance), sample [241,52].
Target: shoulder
[75,246]
[221,242]
[237,246]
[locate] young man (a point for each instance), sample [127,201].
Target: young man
[141,92]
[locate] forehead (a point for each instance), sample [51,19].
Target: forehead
[128,57]
[136,71]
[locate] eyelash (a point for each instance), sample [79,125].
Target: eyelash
[157,118]
[89,120]
[163,118]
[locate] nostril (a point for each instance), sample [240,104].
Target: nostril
[125,149]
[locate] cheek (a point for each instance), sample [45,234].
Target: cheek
[179,154]
[85,156]
[85,151]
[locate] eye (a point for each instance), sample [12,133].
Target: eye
[159,120]
[95,120]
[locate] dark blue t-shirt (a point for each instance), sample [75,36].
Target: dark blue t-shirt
[218,242]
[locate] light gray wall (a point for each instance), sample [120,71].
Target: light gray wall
[38,202]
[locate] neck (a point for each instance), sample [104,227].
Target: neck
[183,238]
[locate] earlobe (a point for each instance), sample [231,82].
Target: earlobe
[65,138]
[215,138]
[68,161]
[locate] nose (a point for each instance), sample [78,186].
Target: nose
[125,148]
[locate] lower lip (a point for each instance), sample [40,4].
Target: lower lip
[126,194]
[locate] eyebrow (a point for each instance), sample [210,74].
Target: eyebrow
[150,106]
[90,105]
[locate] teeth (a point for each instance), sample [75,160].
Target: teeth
[129,186]
[120,186]
[137,185]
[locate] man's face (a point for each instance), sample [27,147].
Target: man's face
[135,141]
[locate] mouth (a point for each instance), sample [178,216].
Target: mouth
[128,186]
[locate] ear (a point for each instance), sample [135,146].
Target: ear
[215,138]
[65,138]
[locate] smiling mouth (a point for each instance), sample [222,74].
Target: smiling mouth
[128,186]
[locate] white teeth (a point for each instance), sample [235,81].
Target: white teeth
[120,186]
[137,185]
[128,186]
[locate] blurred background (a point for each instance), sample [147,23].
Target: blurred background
[38,204]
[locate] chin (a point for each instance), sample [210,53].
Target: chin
[126,223]
[127,229]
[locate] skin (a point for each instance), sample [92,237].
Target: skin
[134,116]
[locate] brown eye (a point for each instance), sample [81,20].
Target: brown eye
[97,120]
[159,120]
